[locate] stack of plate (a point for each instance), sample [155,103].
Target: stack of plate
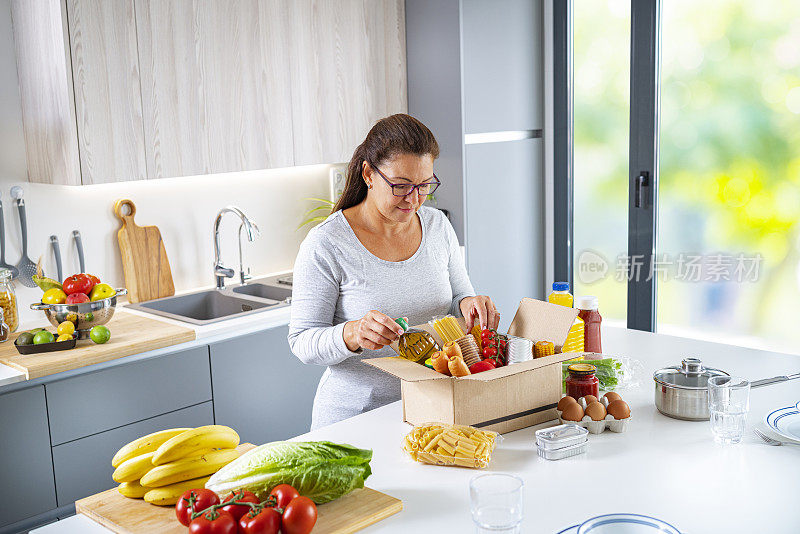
[469,349]
[785,422]
[520,349]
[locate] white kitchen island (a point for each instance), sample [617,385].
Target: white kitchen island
[661,467]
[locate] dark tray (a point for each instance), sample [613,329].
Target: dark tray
[46,347]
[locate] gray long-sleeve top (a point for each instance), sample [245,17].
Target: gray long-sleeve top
[336,279]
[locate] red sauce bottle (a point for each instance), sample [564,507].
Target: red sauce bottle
[591,319]
[581,381]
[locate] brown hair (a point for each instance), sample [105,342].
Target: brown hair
[392,135]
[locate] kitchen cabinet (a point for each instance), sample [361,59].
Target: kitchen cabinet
[94,402]
[516,165]
[348,70]
[215,85]
[26,483]
[475,75]
[83,466]
[260,388]
[135,89]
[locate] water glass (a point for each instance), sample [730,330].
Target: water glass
[728,404]
[496,503]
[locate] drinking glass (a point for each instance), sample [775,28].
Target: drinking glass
[496,503]
[728,404]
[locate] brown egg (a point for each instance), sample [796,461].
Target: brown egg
[566,401]
[619,409]
[611,396]
[590,399]
[572,412]
[596,411]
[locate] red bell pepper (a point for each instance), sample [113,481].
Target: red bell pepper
[483,365]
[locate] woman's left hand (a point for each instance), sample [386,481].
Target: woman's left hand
[482,308]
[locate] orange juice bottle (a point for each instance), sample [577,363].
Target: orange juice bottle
[563,297]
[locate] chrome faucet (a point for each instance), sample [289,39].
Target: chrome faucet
[220,271]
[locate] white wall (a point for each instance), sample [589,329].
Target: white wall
[183,208]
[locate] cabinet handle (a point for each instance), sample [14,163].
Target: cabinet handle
[642,181]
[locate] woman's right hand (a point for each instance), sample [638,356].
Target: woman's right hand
[373,331]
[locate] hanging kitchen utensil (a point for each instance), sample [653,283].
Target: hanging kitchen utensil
[3,263]
[25,265]
[681,391]
[79,245]
[57,254]
[144,258]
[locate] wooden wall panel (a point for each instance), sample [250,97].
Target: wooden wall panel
[108,101]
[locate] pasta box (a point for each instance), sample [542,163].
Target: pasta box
[504,399]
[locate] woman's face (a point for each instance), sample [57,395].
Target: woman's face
[407,169]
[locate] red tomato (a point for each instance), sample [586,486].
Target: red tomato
[93,278]
[284,493]
[77,283]
[238,510]
[483,365]
[299,517]
[486,334]
[489,352]
[194,500]
[266,521]
[217,522]
[503,344]
[490,343]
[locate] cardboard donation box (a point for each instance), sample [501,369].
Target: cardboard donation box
[503,399]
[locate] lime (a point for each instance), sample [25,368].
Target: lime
[25,338]
[64,337]
[43,336]
[66,328]
[100,334]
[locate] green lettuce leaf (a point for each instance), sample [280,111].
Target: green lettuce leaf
[320,470]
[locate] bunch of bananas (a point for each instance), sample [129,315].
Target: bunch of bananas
[159,467]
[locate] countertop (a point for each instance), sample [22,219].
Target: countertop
[205,334]
[661,467]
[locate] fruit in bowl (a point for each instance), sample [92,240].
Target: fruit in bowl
[101,291]
[77,298]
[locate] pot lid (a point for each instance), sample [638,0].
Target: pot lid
[690,374]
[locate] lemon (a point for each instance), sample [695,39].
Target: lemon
[54,296]
[67,328]
[64,337]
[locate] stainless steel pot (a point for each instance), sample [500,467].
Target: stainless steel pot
[682,391]
[84,315]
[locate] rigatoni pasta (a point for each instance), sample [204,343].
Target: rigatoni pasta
[444,444]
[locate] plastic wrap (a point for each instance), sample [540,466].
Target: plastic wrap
[454,445]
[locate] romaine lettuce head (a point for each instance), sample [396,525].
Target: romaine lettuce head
[320,470]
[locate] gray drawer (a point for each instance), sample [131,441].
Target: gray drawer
[26,469]
[83,467]
[99,401]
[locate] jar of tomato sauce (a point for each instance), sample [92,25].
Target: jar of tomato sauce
[581,381]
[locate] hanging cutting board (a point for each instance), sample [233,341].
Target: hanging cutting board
[351,513]
[144,258]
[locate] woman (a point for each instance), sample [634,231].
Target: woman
[380,255]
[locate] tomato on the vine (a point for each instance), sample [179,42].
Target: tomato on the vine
[299,516]
[284,493]
[238,510]
[266,521]
[194,500]
[489,352]
[486,334]
[214,522]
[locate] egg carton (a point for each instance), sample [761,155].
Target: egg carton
[598,427]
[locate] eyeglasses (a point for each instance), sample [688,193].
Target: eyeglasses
[401,190]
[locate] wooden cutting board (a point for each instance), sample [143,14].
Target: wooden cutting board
[144,258]
[130,334]
[351,513]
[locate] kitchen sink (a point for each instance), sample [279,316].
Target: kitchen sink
[264,291]
[204,307]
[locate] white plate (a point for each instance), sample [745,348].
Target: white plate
[622,524]
[786,422]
